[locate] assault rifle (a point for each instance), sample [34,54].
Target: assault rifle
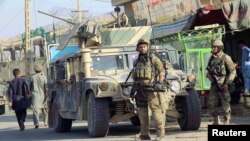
[215,80]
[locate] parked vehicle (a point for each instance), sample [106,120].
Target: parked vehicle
[90,84]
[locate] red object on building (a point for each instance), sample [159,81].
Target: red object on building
[212,17]
[209,7]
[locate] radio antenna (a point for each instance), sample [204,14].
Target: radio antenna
[150,19]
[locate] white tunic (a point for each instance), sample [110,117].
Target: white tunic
[38,88]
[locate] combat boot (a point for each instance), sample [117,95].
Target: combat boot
[140,137]
[145,137]
[227,119]
[226,122]
[216,121]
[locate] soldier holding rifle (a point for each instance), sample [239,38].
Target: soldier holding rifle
[221,73]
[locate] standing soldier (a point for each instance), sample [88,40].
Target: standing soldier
[38,88]
[148,70]
[221,73]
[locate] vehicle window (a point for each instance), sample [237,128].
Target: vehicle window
[131,58]
[112,62]
[60,72]
[163,56]
[52,72]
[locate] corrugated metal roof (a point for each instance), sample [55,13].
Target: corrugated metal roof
[176,27]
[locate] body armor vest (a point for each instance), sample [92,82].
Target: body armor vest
[143,70]
[218,66]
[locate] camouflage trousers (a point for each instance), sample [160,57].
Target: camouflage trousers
[157,103]
[225,98]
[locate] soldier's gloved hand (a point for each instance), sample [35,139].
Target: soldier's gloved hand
[210,77]
[225,87]
[132,93]
[159,86]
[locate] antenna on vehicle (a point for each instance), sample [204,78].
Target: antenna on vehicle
[150,19]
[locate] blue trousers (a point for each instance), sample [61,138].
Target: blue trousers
[246,77]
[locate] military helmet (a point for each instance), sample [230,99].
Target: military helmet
[140,42]
[218,43]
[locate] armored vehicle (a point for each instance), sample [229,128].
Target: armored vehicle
[90,84]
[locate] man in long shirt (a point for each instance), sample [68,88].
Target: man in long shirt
[38,88]
[18,93]
[245,65]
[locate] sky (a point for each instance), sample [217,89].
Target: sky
[12,14]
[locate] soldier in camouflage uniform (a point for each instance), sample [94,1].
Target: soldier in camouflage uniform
[221,72]
[148,69]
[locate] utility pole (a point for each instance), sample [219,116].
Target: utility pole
[79,11]
[86,58]
[27,39]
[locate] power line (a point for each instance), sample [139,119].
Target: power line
[17,14]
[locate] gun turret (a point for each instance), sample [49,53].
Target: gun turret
[85,32]
[68,21]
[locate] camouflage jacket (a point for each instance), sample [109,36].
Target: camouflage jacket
[154,63]
[223,68]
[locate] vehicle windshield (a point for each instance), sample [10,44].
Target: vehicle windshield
[111,62]
[131,58]
[162,55]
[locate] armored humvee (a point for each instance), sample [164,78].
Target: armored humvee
[90,84]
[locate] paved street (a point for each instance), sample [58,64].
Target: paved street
[123,132]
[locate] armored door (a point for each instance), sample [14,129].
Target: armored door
[197,60]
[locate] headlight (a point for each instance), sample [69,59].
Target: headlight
[191,78]
[104,86]
[175,86]
[127,90]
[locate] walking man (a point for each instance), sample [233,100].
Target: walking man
[18,93]
[221,73]
[245,66]
[148,70]
[38,88]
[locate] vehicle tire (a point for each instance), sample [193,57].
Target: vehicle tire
[98,116]
[50,122]
[60,124]
[2,110]
[135,121]
[190,108]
